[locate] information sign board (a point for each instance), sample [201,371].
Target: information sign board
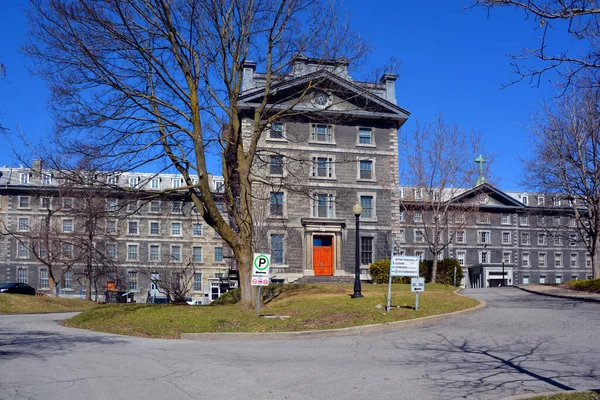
[405,266]
[261,264]
[417,284]
[260,281]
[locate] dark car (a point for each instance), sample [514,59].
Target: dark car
[17,288]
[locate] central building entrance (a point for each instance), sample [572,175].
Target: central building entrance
[323,255]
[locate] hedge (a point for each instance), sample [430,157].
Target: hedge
[380,272]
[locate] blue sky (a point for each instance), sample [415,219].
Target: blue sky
[453,62]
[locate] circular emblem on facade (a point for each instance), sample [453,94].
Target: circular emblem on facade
[321,99]
[483,198]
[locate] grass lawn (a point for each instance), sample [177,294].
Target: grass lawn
[309,307]
[22,304]
[571,396]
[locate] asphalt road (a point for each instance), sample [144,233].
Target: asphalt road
[521,343]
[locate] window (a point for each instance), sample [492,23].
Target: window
[506,238]
[402,236]
[276,204]
[154,252]
[572,222]
[401,216]
[276,131]
[176,183]
[276,165]
[525,238]
[459,218]
[23,275]
[460,237]
[461,255]
[365,136]
[132,252]
[218,254]
[418,193]
[323,205]
[67,203]
[176,228]
[541,200]
[542,279]
[418,216]
[111,226]
[420,254]
[542,259]
[321,133]
[525,200]
[556,221]
[132,228]
[197,282]
[45,203]
[366,250]
[484,237]
[197,229]
[525,279]
[67,281]
[67,225]
[132,181]
[112,180]
[419,238]
[541,220]
[111,251]
[177,206]
[556,202]
[111,204]
[541,239]
[46,179]
[277,249]
[24,178]
[154,228]
[558,279]
[557,240]
[197,254]
[525,259]
[175,253]
[572,239]
[44,281]
[155,206]
[506,257]
[366,169]
[23,224]
[524,220]
[367,205]
[588,261]
[558,259]
[23,201]
[484,257]
[574,262]
[67,250]
[155,183]
[22,250]
[440,256]
[132,280]
[505,219]
[132,206]
[484,218]
[322,167]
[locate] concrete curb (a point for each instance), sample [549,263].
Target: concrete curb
[533,395]
[560,296]
[354,330]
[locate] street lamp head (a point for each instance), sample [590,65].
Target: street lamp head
[357,209]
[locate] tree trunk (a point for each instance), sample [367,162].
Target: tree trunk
[88,288]
[244,258]
[434,268]
[594,257]
[56,289]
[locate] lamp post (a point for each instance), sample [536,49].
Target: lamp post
[503,273]
[357,210]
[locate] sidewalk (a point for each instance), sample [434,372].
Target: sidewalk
[555,291]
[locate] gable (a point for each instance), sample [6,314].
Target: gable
[343,97]
[487,196]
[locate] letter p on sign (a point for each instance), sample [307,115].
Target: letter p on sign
[261,264]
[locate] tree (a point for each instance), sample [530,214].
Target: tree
[438,168]
[578,18]
[159,82]
[566,159]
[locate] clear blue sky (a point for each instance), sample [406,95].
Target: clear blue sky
[454,62]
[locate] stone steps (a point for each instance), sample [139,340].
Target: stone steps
[325,279]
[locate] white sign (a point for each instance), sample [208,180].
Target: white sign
[417,284]
[405,266]
[260,281]
[261,264]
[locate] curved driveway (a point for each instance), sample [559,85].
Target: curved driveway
[521,343]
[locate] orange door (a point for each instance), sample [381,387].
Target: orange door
[323,256]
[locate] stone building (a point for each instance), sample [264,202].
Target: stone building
[335,144]
[45,216]
[515,237]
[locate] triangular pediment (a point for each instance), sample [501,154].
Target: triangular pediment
[487,196]
[343,96]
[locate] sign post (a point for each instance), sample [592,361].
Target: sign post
[260,274]
[402,266]
[417,285]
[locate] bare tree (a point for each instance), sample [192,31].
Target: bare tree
[577,18]
[565,161]
[136,82]
[438,168]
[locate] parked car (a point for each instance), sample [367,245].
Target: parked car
[17,288]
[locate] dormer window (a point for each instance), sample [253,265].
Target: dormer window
[276,131]
[46,179]
[525,200]
[24,178]
[176,183]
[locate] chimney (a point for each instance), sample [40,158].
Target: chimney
[390,86]
[248,75]
[37,166]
